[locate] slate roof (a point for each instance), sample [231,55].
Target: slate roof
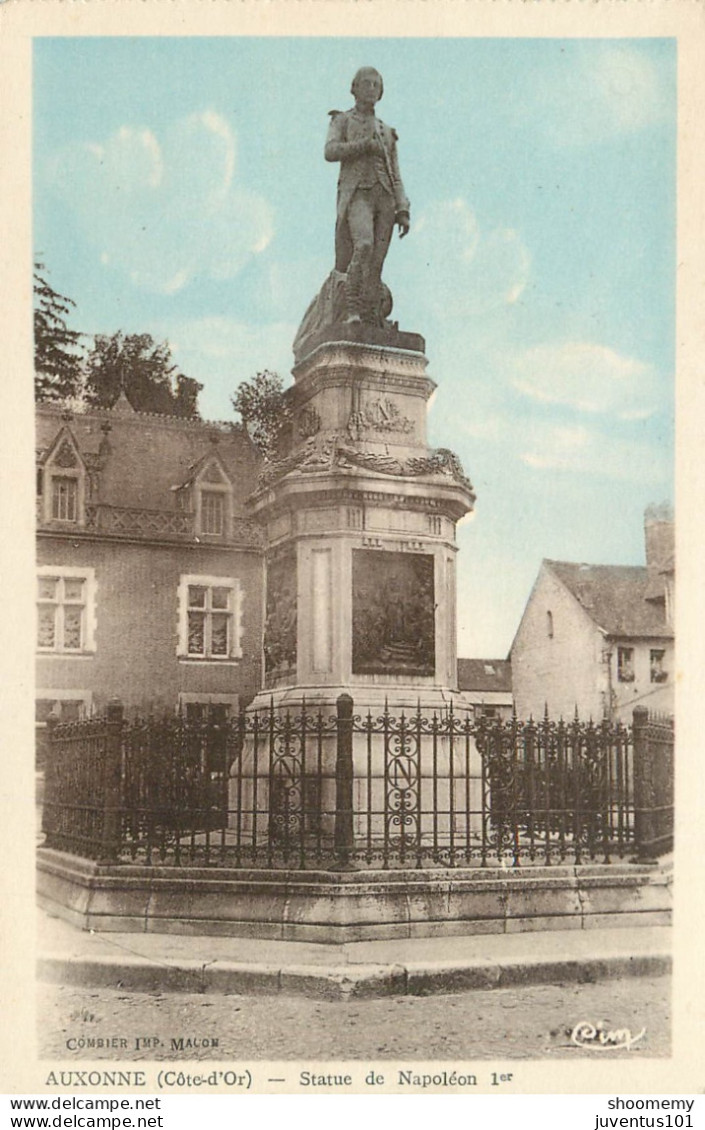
[485,675]
[614,596]
[149,455]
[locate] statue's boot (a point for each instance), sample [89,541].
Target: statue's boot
[353,294]
[371,309]
[362,288]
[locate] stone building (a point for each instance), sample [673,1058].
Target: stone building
[600,637]
[149,572]
[487,685]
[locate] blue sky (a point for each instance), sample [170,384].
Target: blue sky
[180,189]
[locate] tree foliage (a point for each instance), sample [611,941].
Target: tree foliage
[58,353]
[144,370]
[262,406]
[131,363]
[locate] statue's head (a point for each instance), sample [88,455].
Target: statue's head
[367,84]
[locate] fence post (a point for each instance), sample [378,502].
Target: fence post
[653,785]
[343,836]
[112,784]
[51,777]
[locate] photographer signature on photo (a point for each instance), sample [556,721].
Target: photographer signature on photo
[603,1038]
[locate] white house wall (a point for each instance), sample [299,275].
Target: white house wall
[657,697]
[564,670]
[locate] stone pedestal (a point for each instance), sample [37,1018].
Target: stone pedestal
[360,519]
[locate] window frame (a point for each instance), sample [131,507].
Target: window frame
[56,697]
[657,671]
[85,698]
[625,668]
[210,764]
[203,485]
[212,496]
[490,711]
[234,612]
[68,501]
[203,698]
[53,471]
[63,573]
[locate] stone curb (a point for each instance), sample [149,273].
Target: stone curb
[342,982]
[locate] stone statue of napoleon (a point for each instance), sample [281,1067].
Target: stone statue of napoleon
[371,200]
[371,197]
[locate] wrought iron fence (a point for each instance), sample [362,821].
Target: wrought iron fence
[304,788]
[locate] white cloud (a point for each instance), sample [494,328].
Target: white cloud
[595,449]
[595,93]
[166,210]
[555,447]
[464,271]
[566,428]
[586,377]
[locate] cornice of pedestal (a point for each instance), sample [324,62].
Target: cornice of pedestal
[381,367]
[348,487]
[335,376]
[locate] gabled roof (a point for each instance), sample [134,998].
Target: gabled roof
[484,675]
[614,597]
[143,457]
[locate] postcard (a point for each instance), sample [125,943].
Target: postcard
[350,699]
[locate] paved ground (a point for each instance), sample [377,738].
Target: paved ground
[521,1022]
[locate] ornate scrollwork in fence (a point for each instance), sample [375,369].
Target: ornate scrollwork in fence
[302,787]
[402,748]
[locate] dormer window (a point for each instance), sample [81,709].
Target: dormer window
[213,500]
[64,498]
[64,483]
[213,512]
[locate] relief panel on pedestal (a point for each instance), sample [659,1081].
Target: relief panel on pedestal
[281,619]
[380,416]
[393,613]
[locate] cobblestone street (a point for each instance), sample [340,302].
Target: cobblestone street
[530,1022]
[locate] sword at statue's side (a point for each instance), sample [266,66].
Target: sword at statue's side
[388,167]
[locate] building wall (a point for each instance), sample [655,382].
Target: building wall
[495,704]
[670,597]
[642,691]
[562,670]
[136,624]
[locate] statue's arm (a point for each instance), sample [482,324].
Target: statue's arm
[337,148]
[401,200]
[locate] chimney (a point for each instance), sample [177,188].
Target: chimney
[659,539]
